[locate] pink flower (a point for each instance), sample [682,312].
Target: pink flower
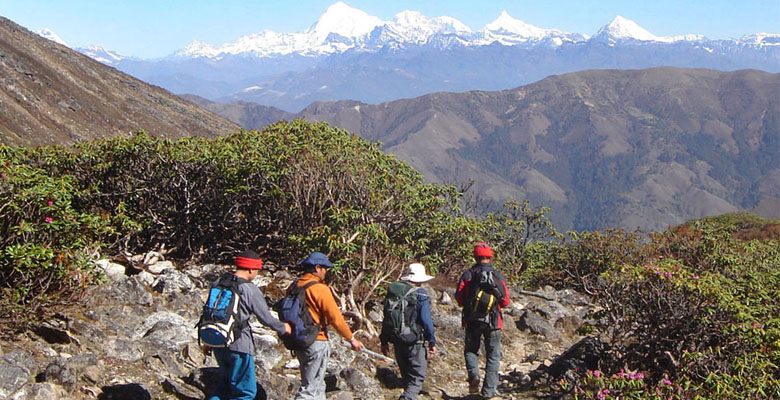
[597,373]
[3,175]
[607,391]
[666,382]
[640,375]
[50,203]
[601,396]
[48,220]
[21,224]
[695,276]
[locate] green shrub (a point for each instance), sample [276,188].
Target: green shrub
[701,316]
[293,188]
[47,245]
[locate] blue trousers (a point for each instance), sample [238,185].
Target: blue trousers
[237,381]
[492,340]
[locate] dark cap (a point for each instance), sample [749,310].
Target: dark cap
[316,258]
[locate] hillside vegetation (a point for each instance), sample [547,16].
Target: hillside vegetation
[51,94]
[691,312]
[648,148]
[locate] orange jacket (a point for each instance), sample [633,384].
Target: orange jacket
[322,304]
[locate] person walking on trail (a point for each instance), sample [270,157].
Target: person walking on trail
[410,352]
[482,292]
[324,311]
[237,362]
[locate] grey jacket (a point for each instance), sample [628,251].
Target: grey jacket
[252,303]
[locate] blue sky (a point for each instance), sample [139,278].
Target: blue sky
[156,28]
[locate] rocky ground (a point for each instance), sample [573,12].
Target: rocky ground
[134,338]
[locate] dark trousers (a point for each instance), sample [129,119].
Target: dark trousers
[412,360]
[475,334]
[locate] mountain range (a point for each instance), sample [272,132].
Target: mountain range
[603,148]
[609,148]
[348,54]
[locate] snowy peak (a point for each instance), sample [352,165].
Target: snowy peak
[49,34]
[197,48]
[342,28]
[762,39]
[344,21]
[622,29]
[415,20]
[505,24]
[414,27]
[101,54]
[510,31]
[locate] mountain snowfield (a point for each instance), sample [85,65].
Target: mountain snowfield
[349,54]
[342,28]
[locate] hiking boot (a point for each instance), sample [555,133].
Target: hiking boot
[474,385]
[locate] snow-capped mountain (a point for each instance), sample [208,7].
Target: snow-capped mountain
[622,29]
[342,28]
[49,34]
[101,54]
[349,54]
[337,30]
[762,39]
[509,31]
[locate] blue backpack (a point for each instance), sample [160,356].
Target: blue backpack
[293,309]
[219,325]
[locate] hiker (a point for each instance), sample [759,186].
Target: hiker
[324,311]
[482,292]
[236,361]
[410,353]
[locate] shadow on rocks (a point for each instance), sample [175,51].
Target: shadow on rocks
[388,378]
[130,391]
[445,396]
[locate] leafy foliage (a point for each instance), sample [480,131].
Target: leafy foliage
[48,243]
[689,313]
[693,313]
[293,188]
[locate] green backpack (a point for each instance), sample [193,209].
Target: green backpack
[400,313]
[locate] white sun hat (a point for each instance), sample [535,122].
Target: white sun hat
[416,273]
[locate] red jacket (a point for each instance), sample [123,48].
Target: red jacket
[463,292]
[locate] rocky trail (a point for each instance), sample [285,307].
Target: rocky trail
[134,338]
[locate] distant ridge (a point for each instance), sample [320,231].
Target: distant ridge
[50,94]
[604,148]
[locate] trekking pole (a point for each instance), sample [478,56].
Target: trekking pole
[375,355]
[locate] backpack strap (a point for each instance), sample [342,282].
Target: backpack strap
[478,268]
[232,281]
[411,289]
[303,288]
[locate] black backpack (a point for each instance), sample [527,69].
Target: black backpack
[219,325]
[484,295]
[293,309]
[400,313]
